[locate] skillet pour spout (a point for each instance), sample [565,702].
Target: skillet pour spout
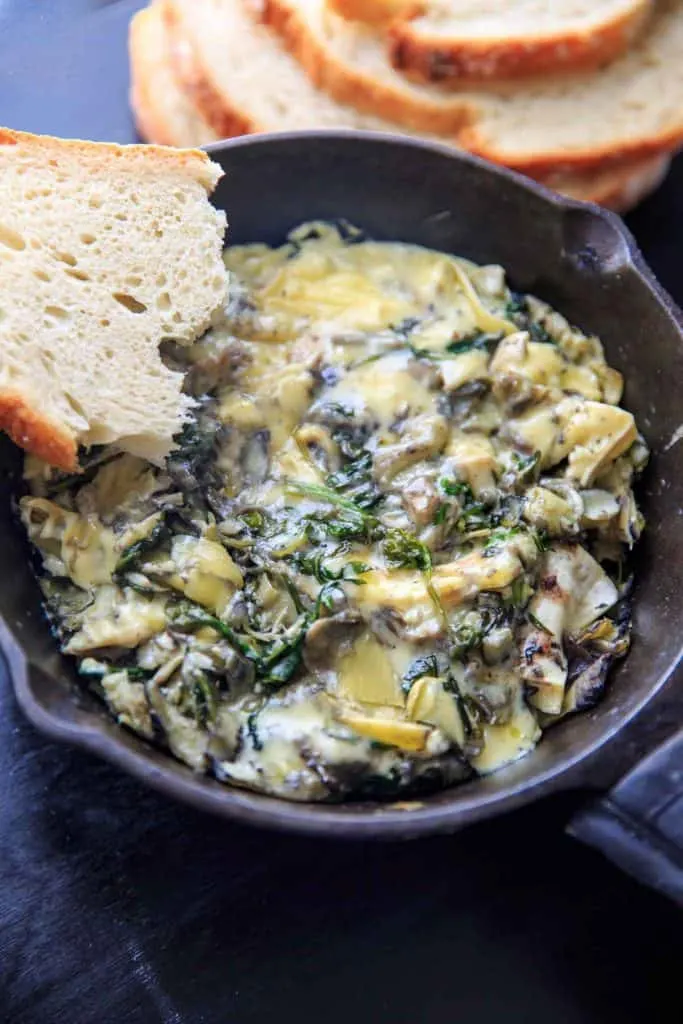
[580,259]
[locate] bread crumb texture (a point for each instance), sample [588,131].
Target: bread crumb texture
[105,251]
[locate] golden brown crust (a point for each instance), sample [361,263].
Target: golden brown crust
[359,89]
[606,183]
[170,120]
[618,188]
[194,161]
[583,161]
[433,59]
[35,433]
[440,112]
[378,12]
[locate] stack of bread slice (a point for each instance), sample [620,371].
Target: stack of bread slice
[585,96]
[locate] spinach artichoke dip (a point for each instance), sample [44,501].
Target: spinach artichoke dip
[388,549]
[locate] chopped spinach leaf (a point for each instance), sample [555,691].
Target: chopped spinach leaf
[427,666]
[404,550]
[134,552]
[477,340]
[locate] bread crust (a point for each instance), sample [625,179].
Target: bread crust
[23,413]
[152,114]
[618,185]
[426,113]
[618,188]
[157,157]
[35,433]
[582,161]
[433,59]
[456,116]
[149,116]
[196,80]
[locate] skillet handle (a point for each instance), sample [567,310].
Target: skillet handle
[639,824]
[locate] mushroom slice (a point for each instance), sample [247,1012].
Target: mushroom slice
[586,689]
[326,638]
[599,507]
[424,438]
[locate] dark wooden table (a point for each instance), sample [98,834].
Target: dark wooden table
[118,906]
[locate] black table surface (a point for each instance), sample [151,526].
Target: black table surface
[119,906]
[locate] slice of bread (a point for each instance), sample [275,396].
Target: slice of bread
[618,187]
[104,251]
[227,60]
[630,109]
[475,41]
[241,80]
[165,112]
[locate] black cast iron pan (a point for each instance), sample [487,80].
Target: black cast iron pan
[579,258]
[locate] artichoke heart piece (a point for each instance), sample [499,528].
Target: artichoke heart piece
[116,620]
[485,320]
[598,434]
[89,552]
[590,435]
[425,437]
[410,736]
[86,548]
[365,674]
[429,702]
[120,484]
[128,701]
[574,591]
[537,362]
[205,572]
[460,580]
[464,368]
[543,429]
[473,460]
[548,511]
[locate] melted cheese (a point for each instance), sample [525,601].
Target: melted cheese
[358,425]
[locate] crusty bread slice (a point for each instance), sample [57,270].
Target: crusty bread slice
[452,40]
[241,80]
[618,187]
[239,62]
[104,251]
[631,108]
[164,111]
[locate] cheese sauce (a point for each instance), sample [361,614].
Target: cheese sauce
[385,554]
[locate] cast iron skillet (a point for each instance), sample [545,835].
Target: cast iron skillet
[579,258]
